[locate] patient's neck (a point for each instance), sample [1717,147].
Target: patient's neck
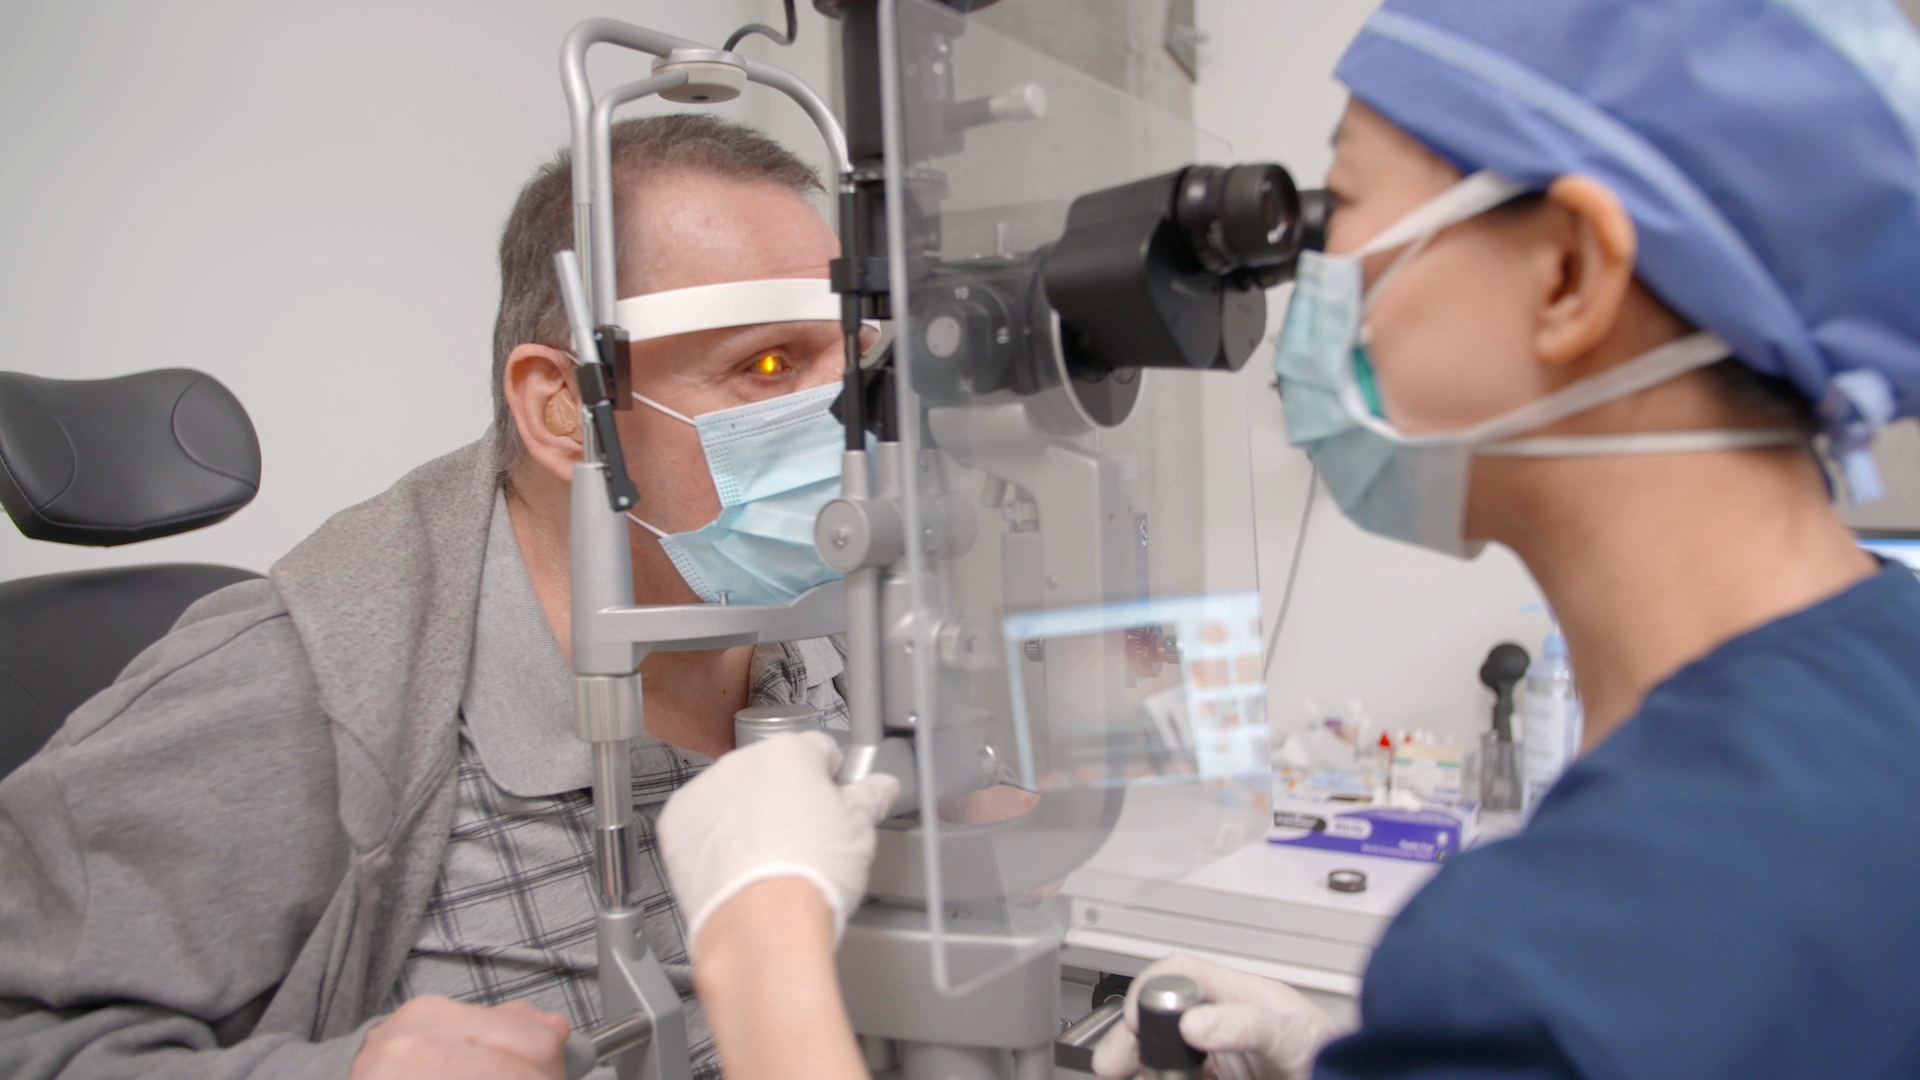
[1653,562]
[690,696]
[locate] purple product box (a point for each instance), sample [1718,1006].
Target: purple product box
[1420,835]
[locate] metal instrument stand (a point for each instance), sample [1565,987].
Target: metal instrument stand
[918,1015]
[644,1036]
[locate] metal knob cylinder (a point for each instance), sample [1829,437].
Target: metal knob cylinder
[713,76]
[853,534]
[1164,1055]
[757,722]
[585,1050]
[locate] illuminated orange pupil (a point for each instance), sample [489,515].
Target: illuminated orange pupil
[767,365]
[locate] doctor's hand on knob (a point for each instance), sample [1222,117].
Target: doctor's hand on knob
[1250,1028]
[768,858]
[772,810]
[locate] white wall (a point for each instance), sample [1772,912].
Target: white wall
[1401,630]
[301,199]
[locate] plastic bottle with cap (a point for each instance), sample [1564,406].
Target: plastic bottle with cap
[1551,717]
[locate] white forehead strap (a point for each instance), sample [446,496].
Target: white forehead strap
[732,303]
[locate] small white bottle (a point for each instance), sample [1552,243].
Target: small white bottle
[1553,721]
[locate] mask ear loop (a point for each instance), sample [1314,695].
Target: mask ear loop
[1477,194]
[1663,364]
[635,518]
[657,407]
[1471,197]
[680,416]
[1393,270]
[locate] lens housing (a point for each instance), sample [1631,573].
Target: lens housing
[1130,290]
[1238,218]
[1316,206]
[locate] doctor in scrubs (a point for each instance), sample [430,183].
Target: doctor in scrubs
[1629,286]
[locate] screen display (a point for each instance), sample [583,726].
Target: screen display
[1894,547]
[1177,684]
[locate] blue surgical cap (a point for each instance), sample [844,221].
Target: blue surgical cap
[1767,150]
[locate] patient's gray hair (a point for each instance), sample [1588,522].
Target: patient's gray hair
[542,223]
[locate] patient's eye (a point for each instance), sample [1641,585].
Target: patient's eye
[770,364]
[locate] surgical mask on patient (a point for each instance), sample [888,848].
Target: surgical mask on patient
[1414,487]
[775,464]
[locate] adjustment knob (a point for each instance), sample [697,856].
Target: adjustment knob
[1164,1055]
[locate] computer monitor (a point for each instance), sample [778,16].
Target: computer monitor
[1893,545]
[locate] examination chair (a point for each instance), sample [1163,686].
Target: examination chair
[102,463]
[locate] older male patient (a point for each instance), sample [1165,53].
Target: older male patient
[337,822]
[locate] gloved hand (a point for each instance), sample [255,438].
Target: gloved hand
[772,810]
[1251,1028]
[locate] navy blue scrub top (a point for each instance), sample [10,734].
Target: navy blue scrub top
[1729,886]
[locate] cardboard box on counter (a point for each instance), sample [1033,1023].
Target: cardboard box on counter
[1433,833]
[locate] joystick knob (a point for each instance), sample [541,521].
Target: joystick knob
[1164,1055]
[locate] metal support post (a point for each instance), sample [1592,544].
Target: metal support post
[631,981]
[645,1031]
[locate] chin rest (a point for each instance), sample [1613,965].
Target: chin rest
[115,461]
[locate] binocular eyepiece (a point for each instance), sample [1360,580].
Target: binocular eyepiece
[1171,271]
[1166,272]
[1248,219]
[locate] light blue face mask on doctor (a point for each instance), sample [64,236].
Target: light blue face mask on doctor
[775,465]
[1414,487]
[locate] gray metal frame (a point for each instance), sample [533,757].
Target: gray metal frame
[889,535]
[584,112]
[645,1032]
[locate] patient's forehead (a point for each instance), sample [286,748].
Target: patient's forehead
[693,229]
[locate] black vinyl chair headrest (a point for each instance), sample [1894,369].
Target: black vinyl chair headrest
[114,461]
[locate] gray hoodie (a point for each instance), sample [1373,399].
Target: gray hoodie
[218,865]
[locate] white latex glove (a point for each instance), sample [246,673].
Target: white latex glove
[1251,1028]
[772,810]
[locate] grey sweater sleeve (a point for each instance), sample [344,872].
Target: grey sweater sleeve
[167,856]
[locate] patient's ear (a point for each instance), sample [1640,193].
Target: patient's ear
[545,402]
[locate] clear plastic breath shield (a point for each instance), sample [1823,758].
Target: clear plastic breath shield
[1074,620]
[1045,527]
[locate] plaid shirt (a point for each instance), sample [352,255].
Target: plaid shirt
[511,917]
